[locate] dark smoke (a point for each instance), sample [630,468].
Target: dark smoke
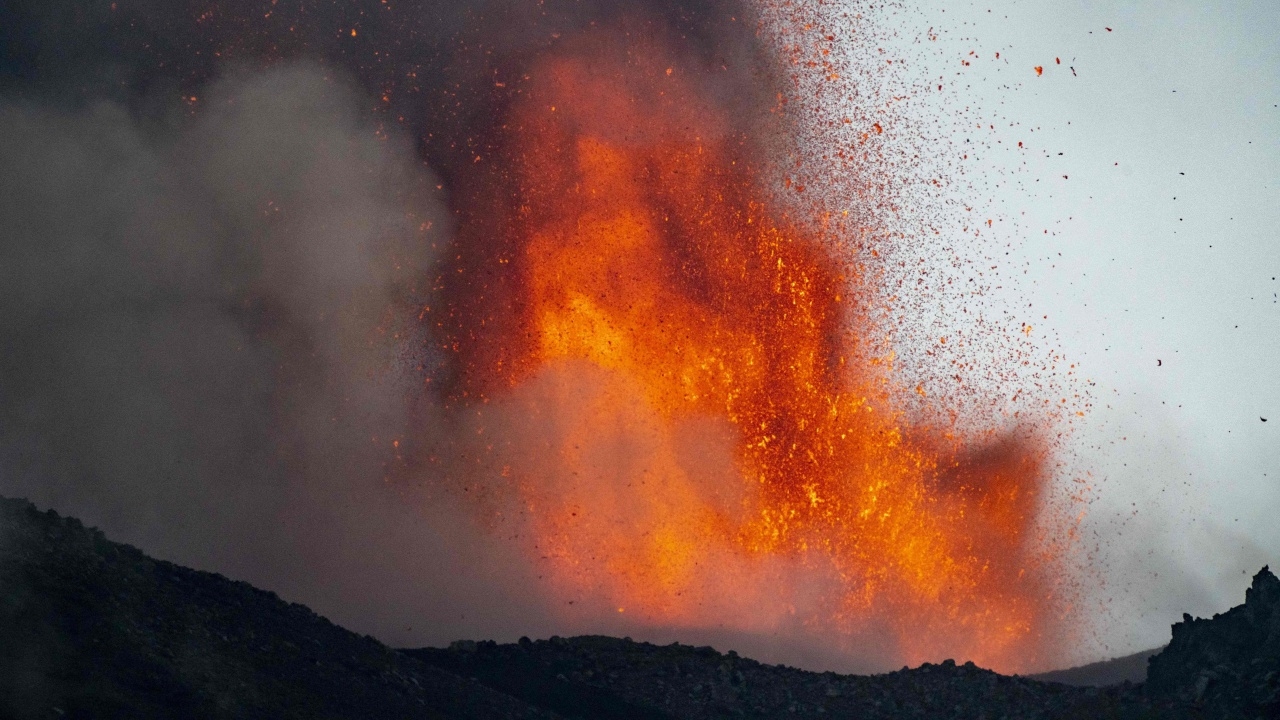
[442,69]
[219,225]
[208,337]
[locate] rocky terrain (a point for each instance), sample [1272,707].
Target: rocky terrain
[94,629]
[647,681]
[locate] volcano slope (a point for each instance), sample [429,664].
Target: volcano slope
[94,629]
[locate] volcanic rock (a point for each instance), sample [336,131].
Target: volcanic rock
[1228,665]
[603,677]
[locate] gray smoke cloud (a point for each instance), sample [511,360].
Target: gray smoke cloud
[207,346]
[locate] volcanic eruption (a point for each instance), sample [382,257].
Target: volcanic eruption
[666,388]
[646,330]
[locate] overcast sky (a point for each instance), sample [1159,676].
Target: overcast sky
[1157,273]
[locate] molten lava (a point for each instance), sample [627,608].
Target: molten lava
[670,387]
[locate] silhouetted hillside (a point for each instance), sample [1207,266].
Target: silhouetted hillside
[94,629]
[1130,668]
[678,681]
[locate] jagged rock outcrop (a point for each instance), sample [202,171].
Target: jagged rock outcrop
[1227,665]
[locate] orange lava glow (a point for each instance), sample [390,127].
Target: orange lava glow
[696,430]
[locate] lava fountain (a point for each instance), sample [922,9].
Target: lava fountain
[670,397]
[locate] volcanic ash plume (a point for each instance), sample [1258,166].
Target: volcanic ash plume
[210,343]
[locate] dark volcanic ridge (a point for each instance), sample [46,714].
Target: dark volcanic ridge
[1132,668]
[90,628]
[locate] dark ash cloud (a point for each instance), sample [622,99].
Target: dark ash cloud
[208,346]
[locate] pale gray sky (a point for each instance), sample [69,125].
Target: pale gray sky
[1158,272]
